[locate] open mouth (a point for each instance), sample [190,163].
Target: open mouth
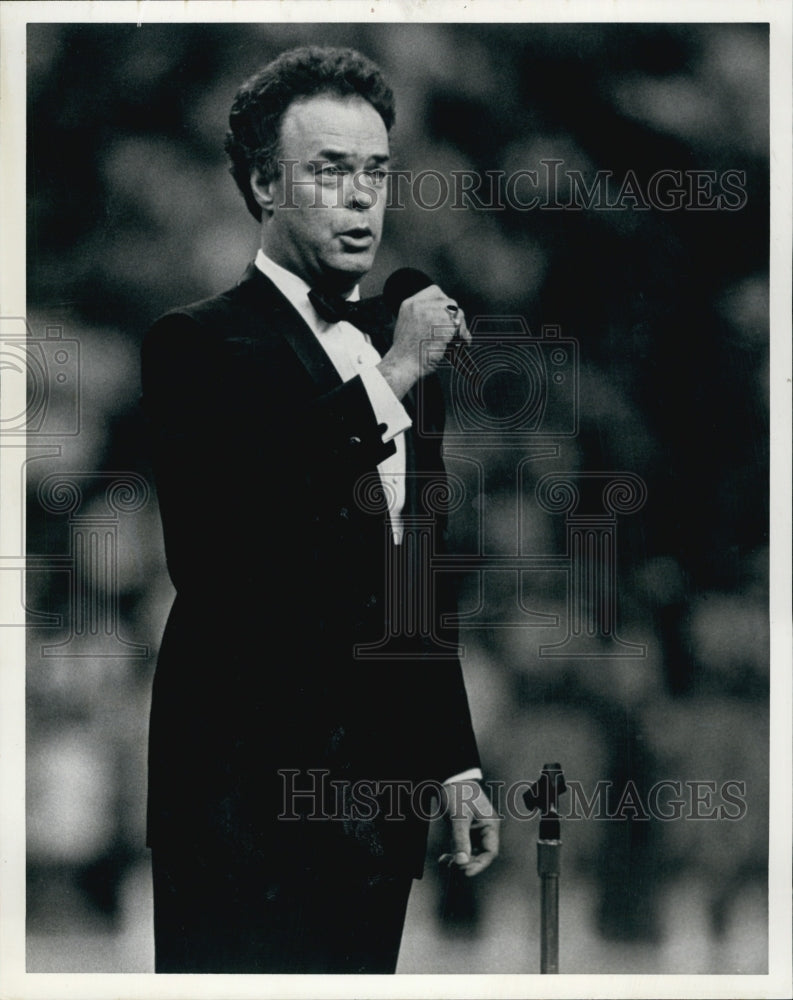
[358,238]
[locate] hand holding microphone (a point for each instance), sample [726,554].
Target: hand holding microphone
[430,328]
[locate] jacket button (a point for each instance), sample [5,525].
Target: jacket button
[354,440]
[371,601]
[344,514]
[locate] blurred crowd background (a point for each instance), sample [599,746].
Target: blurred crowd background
[131,211]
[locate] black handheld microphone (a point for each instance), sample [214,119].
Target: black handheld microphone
[403,284]
[408,281]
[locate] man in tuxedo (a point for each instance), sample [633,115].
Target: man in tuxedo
[294,727]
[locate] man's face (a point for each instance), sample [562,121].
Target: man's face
[326,206]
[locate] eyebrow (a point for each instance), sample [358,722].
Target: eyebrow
[335,155]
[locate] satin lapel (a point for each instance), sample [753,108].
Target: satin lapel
[264,299]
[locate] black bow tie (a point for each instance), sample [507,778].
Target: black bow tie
[333,308]
[372,315]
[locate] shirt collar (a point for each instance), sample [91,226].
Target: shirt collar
[293,288]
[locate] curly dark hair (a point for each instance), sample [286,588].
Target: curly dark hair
[261,102]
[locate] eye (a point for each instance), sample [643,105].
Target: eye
[329,170]
[376,177]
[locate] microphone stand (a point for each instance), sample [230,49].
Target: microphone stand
[543,795]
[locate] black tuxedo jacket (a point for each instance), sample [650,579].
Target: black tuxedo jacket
[279,560]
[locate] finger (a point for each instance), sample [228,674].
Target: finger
[488,832]
[478,864]
[442,331]
[479,861]
[435,353]
[455,860]
[461,840]
[490,839]
[457,316]
[428,294]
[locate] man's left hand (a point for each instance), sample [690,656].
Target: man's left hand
[475,827]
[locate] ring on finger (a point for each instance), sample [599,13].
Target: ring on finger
[454,311]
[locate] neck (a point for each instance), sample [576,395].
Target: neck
[336,282]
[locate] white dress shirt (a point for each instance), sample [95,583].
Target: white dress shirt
[352,353]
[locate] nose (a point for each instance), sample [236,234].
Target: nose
[357,194]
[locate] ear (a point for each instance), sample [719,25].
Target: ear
[263,192]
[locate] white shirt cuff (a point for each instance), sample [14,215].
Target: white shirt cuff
[387,408]
[473,773]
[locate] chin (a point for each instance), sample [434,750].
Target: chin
[350,266]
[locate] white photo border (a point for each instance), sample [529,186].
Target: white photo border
[14,981]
